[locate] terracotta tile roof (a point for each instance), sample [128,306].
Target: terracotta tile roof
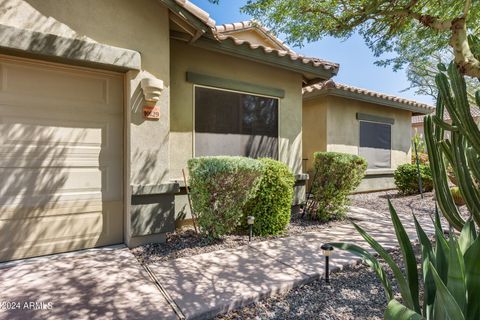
[330,85]
[201,14]
[475,111]
[232,28]
[315,62]
[222,34]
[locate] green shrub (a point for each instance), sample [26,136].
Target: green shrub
[338,174]
[271,205]
[220,188]
[406,178]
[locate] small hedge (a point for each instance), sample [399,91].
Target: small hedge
[406,178]
[271,205]
[338,175]
[225,190]
[220,188]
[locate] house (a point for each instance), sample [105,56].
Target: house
[417,121]
[102,102]
[376,126]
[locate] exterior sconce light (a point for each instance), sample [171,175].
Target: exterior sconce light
[327,251]
[152,89]
[250,221]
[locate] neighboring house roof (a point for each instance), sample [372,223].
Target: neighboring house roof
[230,33]
[223,39]
[474,110]
[336,89]
[244,26]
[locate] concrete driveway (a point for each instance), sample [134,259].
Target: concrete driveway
[107,283]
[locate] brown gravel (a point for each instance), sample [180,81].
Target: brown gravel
[353,293]
[185,242]
[378,202]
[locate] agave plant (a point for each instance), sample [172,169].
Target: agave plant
[451,272]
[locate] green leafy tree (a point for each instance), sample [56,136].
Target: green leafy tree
[421,72]
[411,28]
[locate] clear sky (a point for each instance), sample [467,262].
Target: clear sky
[355,58]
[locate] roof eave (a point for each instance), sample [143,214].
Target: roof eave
[259,55]
[366,98]
[192,19]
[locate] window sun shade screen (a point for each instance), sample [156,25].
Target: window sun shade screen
[236,124]
[376,144]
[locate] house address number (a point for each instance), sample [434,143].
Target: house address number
[151,113]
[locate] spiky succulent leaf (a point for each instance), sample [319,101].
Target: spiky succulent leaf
[371,261]
[397,311]
[408,255]
[445,299]
[399,277]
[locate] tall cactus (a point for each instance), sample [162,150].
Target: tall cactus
[461,151]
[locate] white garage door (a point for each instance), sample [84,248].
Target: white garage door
[61,158]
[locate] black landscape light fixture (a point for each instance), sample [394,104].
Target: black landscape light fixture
[327,251]
[250,221]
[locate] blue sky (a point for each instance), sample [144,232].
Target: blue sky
[356,60]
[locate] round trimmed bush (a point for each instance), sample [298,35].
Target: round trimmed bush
[406,178]
[220,188]
[271,205]
[338,175]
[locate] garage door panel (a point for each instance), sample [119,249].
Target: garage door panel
[87,228]
[30,79]
[61,148]
[51,180]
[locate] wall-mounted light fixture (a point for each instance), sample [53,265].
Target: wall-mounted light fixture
[152,90]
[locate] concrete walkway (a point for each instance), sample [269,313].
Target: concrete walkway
[208,284]
[110,283]
[106,283]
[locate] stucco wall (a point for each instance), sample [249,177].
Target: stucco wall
[344,129]
[140,25]
[343,133]
[314,129]
[187,58]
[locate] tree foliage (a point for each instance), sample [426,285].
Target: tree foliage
[411,28]
[421,72]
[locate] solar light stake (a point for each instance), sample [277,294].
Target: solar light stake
[327,252]
[250,221]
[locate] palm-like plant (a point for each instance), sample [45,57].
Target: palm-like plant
[451,272]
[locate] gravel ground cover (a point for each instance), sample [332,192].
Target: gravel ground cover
[353,293]
[378,202]
[186,242]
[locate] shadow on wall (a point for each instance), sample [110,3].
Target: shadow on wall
[262,146]
[44,38]
[291,153]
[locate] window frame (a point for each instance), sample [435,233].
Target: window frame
[194,110]
[391,141]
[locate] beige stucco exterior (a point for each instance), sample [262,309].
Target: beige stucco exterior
[142,26]
[134,40]
[187,58]
[330,124]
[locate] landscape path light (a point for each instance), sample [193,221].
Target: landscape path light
[327,251]
[250,221]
